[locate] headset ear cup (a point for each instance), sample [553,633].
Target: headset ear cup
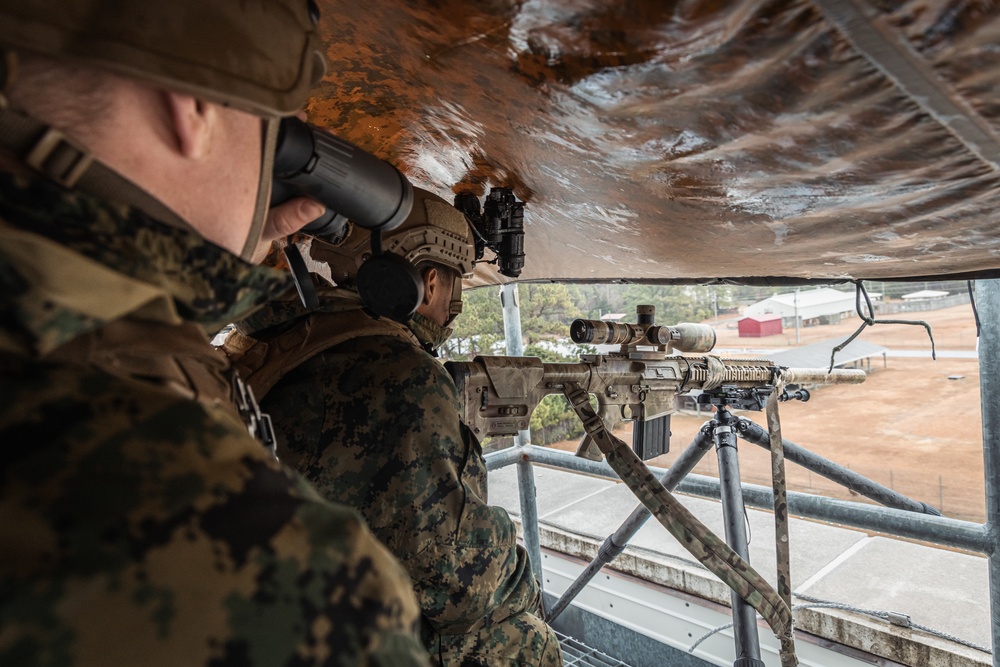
[390,286]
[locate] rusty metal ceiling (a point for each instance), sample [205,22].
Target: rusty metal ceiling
[691,141]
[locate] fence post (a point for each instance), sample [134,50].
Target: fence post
[988,301]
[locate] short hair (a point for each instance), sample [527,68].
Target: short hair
[427,264]
[70,97]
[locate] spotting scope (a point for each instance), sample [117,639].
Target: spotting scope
[352,183]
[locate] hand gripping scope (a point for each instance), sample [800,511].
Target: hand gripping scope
[355,186]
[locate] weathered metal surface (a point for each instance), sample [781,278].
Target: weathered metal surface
[691,140]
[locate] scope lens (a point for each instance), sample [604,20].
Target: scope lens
[581,331]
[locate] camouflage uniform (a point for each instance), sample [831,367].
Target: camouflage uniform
[373,422]
[139,523]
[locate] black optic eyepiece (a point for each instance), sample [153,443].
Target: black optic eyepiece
[581,331]
[352,183]
[499,226]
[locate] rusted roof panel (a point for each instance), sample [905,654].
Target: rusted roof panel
[679,141]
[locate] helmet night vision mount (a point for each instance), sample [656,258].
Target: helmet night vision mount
[499,225]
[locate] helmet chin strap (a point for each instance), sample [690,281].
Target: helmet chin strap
[455,305]
[301,275]
[268,147]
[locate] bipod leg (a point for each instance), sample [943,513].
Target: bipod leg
[710,550]
[615,543]
[734,515]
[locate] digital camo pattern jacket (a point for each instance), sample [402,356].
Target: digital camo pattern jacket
[374,423]
[139,523]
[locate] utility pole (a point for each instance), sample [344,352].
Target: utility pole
[796,302]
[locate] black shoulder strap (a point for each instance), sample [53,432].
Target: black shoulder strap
[62,160]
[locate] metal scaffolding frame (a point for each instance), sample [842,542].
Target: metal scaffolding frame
[982,538]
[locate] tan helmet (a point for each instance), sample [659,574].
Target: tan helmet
[261,57]
[435,231]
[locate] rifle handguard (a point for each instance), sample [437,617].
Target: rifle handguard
[823,376]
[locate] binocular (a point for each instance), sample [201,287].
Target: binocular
[352,183]
[356,186]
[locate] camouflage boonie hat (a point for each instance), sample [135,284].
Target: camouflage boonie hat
[260,57]
[435,231]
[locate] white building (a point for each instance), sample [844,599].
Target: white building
[924,294]
[823,305]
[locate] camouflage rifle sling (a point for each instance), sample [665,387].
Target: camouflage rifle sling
[710,550]
[781,541]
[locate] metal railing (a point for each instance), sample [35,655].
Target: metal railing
[983,538]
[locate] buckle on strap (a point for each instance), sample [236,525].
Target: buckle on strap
[59,157]
[258,423]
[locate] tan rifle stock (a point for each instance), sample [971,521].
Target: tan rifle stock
[499,394]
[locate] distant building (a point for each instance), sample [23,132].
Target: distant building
[759,326]
[924,294]
[815,306]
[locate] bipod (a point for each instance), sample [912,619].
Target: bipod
[723,428]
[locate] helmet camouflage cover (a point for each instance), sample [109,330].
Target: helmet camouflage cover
[435,231]
[262,57]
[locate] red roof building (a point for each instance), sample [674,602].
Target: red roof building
[758,326]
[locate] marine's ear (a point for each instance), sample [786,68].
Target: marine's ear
[432,283]
[191,122]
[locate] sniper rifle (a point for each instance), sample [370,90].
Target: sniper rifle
[639,382]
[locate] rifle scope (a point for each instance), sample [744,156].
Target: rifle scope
[352,183]
[685,337]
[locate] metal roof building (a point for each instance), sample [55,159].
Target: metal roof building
[924,294]
[805,304]
[817,355]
